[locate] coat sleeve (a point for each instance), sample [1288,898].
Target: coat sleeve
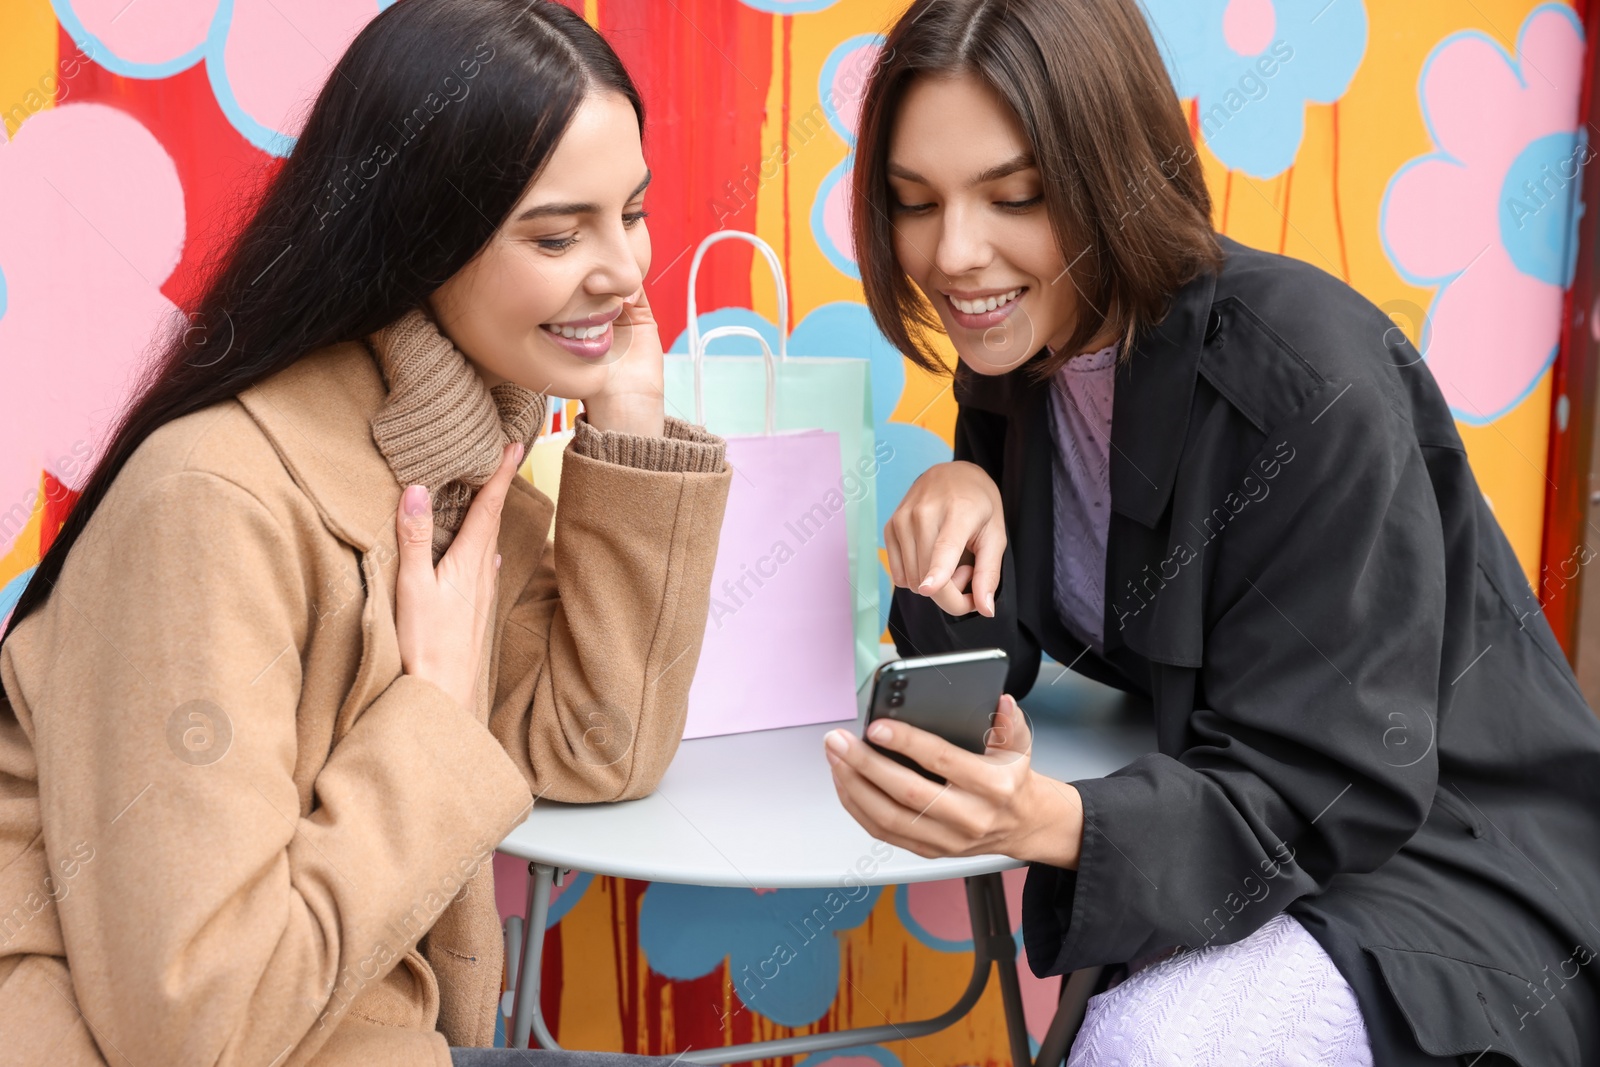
[599,649]
[1311,741]
[216,923]
[920,627]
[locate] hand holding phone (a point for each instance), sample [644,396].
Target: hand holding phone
[952,696]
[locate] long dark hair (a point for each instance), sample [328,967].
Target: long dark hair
[1122,181]
[426,135]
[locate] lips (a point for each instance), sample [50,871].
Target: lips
[980,312]
[588,338]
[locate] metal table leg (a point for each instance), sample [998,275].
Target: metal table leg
[1076,989]
[1004,951]
[991,940]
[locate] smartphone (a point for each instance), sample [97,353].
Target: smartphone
[953,695]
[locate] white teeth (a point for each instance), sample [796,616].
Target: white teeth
[581,333]
[978,307]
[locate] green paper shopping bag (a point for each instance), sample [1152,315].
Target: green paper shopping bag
[813,391]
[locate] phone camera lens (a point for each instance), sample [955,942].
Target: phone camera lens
[899,683]
[896,699]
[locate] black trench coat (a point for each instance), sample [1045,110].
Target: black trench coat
[1363,718]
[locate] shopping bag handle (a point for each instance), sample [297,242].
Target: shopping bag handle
[766,353]
[695,340]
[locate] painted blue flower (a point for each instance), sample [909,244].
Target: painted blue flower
[781,945]
[1254,64]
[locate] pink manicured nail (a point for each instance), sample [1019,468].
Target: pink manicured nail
[416,499]
[879,731]
[836,741]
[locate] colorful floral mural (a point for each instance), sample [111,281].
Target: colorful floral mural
[1423,152]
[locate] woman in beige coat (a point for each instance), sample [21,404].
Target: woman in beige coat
[302,655]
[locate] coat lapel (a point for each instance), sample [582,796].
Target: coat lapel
[317,412]
[318,415]
[1150,418]
[1150,404]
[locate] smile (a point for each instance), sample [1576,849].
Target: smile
[984,312]
[978,307]
[581,333]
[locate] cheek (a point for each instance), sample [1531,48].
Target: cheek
[1033,249]
[911,251]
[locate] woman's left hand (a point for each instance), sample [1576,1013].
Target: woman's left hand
[991,803]
[634,397]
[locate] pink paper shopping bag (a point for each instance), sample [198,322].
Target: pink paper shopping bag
[779,644]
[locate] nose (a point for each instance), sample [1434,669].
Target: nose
[617,269]
[963,248]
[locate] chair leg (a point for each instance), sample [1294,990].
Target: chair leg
[1076,989]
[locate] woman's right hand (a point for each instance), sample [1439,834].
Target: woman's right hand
[949,531]
[442,613]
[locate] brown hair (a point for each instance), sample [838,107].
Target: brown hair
[1123,187]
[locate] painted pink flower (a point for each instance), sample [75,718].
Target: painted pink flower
[266,58]
[82,259]
[1490,217]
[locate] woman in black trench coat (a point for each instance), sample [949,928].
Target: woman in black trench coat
[1368,738]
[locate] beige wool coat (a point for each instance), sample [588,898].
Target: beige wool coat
[231,830]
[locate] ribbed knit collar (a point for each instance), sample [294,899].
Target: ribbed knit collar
[441,426]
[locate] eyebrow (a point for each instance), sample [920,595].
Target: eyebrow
[994,173]
[586,208]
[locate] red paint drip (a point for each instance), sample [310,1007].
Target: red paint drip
[788,88]
[550,979]
[1338,216]
[1288,188]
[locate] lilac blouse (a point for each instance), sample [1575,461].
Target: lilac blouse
[1080,421]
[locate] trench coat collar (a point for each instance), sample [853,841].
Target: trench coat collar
[1150,403]
[317,412]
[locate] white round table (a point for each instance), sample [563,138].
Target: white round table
[759,810]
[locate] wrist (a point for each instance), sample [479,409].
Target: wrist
[640,417]
[1054,834]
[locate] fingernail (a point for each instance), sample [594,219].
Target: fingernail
[520,447]
[497,561]
[416,499]
[832,759]
[879,731]
[836,742]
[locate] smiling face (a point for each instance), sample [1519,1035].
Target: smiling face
[970,225]
[535,305]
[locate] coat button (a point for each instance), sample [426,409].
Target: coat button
[1213,325]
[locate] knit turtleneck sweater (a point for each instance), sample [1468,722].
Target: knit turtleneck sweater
[441,426]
